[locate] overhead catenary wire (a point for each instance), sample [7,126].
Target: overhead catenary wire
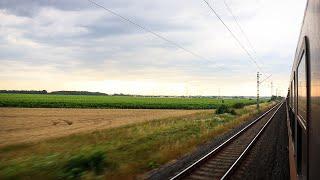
[243,32]
[234,37]
[265,79]
[150,31]
[239,26]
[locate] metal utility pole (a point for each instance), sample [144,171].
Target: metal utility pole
[258,84]
[271,88]
[219,95]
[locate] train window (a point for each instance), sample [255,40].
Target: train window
[302,88]
[291,94]
[293,91]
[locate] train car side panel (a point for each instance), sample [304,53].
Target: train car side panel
[311,34]
[309,37]
[314,130]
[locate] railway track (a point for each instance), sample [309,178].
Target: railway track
[222,161]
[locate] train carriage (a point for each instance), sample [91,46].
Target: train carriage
[303,99]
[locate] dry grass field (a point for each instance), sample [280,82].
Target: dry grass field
[21,125]
[105,144]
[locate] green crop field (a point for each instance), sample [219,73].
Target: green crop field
[125,102]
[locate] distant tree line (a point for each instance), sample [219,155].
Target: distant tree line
[119,94]
[53,92]
[23,92]
[273,98]
[78,93]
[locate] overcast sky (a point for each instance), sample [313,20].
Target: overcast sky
[75,45]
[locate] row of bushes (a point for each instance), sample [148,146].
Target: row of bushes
[227,109]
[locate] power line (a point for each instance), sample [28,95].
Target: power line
[234,36]
[265,79]
[243,33]
[149,31]
[240,27]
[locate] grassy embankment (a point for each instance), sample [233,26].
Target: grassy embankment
[123,152]
[123,102]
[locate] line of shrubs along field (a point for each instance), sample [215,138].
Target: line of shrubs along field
[124,102]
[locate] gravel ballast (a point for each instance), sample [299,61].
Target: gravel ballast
[269,158]
[174,167]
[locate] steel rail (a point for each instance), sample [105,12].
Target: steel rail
[250,145]
[184,172]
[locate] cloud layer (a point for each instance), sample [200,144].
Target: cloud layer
[72,44]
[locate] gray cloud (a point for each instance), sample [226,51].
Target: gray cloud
[76,38]
[30,8]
